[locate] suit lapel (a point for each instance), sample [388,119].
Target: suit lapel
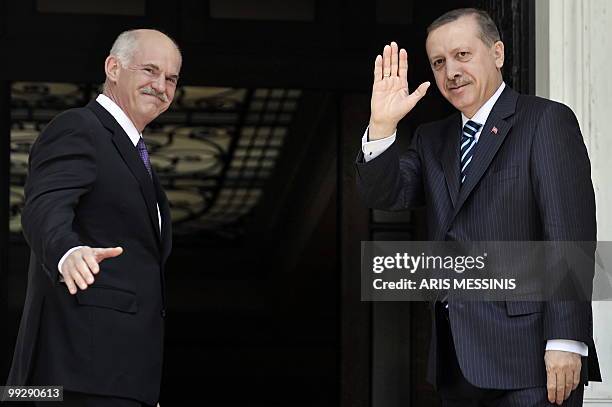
[131,158]
[491,138]
[450,158]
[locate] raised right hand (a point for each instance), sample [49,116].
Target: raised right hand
[80,266]
[391,98]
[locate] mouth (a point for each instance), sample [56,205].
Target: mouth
[457,89]
[154,97]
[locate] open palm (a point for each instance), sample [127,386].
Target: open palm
[391,97]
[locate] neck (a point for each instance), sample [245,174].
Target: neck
[108,92]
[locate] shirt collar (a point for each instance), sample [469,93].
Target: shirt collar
[119,115]
[482,114]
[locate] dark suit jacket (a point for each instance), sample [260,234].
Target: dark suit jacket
[88,186]
[531,181]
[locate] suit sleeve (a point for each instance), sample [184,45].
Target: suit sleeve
[561,175]
[391,182]
[62,168]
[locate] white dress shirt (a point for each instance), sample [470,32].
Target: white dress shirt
[134,135]
[372,149]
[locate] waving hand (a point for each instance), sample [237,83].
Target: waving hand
[391,97]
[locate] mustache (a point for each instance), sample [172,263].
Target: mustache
[150,91]
[457,83]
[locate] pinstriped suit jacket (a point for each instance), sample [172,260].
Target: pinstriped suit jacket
[530,181]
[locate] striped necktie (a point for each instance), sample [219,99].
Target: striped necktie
[144,155]
[468,141]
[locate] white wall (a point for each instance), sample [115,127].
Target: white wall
[574,66]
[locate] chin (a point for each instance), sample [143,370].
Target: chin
[458,103]
[463,103]
[150,110]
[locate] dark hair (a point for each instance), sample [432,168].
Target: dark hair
[488,30]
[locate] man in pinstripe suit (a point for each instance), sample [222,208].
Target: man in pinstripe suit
[506,167]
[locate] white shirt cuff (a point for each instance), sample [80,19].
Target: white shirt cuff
[568,345]
[372,149]
[61,262]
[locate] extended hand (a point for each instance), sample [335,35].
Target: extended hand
[80,266]
[563,374]
[391,98]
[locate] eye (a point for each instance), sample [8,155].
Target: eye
[463,55]
[172,80]
[148,69]
[437,63]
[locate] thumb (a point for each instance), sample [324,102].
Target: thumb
[105,253]
[420,91]
[413,98]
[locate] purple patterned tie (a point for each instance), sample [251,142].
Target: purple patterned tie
[144,155]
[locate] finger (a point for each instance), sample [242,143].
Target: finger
[551,385]
[84,271]
[394,59]
[386,61]
[421,90]
[378,69]
[69,282]
[417,95]
[91,262]
[560,388]
[576,378]
[104,253]
[78,279]
[403,65]
[569,383]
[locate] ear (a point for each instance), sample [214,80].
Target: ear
[112,67]
[498,49]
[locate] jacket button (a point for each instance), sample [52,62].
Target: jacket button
[163,313]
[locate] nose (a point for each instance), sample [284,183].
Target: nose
[159,84]
[452,70]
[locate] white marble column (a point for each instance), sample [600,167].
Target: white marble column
[574,66]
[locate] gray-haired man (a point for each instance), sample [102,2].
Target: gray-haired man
[98,225]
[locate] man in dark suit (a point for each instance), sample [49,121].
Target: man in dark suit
[99,228]
[506,167]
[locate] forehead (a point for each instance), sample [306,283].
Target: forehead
[161,52]
[463,32]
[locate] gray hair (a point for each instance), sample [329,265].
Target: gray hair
[488,30]
[126,44]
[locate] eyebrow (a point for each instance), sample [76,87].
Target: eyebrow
[464,47]
[452,51]
[150,65]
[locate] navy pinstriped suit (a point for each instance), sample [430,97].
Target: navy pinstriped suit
[530,181]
